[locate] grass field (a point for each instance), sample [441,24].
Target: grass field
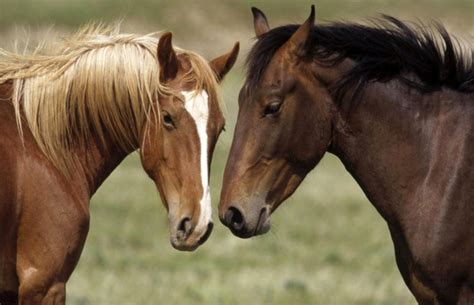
[327,244]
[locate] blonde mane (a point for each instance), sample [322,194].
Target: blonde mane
[97,83]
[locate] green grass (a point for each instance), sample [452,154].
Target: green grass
[179,12]
[327,244]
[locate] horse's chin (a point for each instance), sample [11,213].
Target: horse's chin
[184,247]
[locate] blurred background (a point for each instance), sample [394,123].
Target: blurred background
[327,245]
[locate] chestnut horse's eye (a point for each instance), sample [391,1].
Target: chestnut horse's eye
[168,121]
[272,108]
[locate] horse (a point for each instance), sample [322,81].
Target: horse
[69,115]
[395,103]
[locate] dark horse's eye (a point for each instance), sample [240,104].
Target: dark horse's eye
[167,120]
[272,108]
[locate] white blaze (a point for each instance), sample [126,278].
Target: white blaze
[196,103]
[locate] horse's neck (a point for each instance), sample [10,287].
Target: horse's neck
[392,143]
[96,161]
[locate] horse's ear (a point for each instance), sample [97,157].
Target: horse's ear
[167,58]
[299,42]
[222,64]
[260,22]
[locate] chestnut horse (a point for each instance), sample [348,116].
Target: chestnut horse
[69,118]
[396,104]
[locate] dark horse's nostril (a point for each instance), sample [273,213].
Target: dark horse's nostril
[184,228]
[234,219]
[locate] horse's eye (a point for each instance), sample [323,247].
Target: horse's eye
[272,108]
[168,121]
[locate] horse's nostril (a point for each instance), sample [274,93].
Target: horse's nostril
[207,234]
[184,228]
[234,219]
[228,216]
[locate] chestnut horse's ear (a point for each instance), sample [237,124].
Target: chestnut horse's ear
[167,58]
[260,22]
[222,64]
[298,42]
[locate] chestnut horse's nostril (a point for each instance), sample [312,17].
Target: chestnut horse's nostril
[184,228]
[234,219]
[207,234]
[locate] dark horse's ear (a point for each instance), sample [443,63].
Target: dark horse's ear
[167,58]
[299,42]
[260,22]
[222,64]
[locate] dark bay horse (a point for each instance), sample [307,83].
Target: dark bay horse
[68,119]
[395,102]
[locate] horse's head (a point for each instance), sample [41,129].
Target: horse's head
[177,146]
[283,130]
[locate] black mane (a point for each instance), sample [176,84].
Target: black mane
[386,50]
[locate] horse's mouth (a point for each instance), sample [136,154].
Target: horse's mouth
[263,223]
[190,243]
